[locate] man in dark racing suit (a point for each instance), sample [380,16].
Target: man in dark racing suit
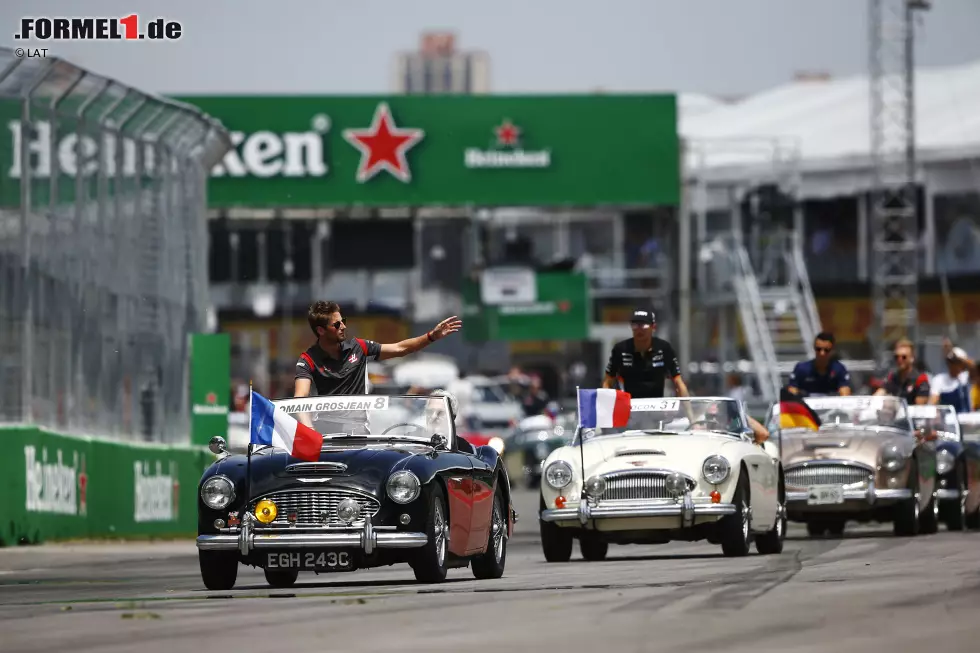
[905,380]
[337,365]
[644,363]
[822,374]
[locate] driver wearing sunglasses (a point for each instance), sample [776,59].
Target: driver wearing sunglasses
[822,374]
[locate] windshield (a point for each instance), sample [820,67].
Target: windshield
[375,417]
[859,412]
[940,419]
[687,415]
[970,426]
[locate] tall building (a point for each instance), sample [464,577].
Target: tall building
[437,67]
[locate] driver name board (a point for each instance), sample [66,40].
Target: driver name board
[315,405]
[655,405]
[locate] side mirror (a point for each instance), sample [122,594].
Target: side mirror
[217,445]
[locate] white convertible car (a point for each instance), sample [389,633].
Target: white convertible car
[681,469]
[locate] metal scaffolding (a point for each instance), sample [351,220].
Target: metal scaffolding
[103,250]
[893,201]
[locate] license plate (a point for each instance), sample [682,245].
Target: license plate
[820,495]
[310,560]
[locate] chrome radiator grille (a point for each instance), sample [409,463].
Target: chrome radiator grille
[636,486]
[832,474]
[310,506]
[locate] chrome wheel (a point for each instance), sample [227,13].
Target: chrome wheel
[780,522]
[499,529]
[745,520]
[439,530]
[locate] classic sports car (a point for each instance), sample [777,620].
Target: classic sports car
[969,424]
[532,442]
[393,484]
[683,468]
[958,494]
[865,463]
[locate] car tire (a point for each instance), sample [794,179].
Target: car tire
[929,519]
[491,563]
[736,531]
[281,577]
[816,528]
[836,527]
[429,563]
[556,542]
[593,549]
[956,517]
[219,570]
[906,521]
[771,542]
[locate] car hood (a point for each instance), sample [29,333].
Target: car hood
[861,446]
[682,453]
[365,468]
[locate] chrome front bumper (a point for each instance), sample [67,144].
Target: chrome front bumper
[947,494]
[367,539]
[685,508]
[869,495]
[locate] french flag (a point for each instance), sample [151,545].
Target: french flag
[603,408]
[279,429]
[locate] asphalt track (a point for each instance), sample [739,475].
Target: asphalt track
[868,591]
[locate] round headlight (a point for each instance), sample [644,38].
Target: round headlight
[404,487]
[715,469]
[497,443]
[595,486]
[266,511]
[348,510]
[218,492]
[558,474]
[676,484]
[944,461]
[892,458]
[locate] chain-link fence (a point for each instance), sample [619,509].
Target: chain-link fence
[103,250]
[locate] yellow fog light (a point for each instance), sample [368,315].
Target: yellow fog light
[266,511]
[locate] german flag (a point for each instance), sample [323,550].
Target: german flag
[794,413]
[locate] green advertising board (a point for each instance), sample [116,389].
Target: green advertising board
[210,386]
[561,310]
[61,487]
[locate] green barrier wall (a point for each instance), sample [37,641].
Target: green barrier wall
[57,487]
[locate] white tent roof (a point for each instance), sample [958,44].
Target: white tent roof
[828,122]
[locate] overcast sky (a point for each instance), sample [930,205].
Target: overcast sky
[726,47]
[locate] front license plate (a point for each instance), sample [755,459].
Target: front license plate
[310,560]
[820,495]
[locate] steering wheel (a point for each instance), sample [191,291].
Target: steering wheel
[395,426]
[709,422]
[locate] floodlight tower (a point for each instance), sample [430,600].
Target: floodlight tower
[894,212]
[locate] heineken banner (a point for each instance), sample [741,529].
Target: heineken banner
[560,310]
[409,151]
[210,386]
[61,487]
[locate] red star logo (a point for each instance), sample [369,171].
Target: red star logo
[564,305]
[507,134]
[211,398]
[383,146]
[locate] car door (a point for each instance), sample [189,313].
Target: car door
[481,516]
[764,484]
[456,469]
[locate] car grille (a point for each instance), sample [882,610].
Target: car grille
[311,505]
[636,486]
[832,474]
